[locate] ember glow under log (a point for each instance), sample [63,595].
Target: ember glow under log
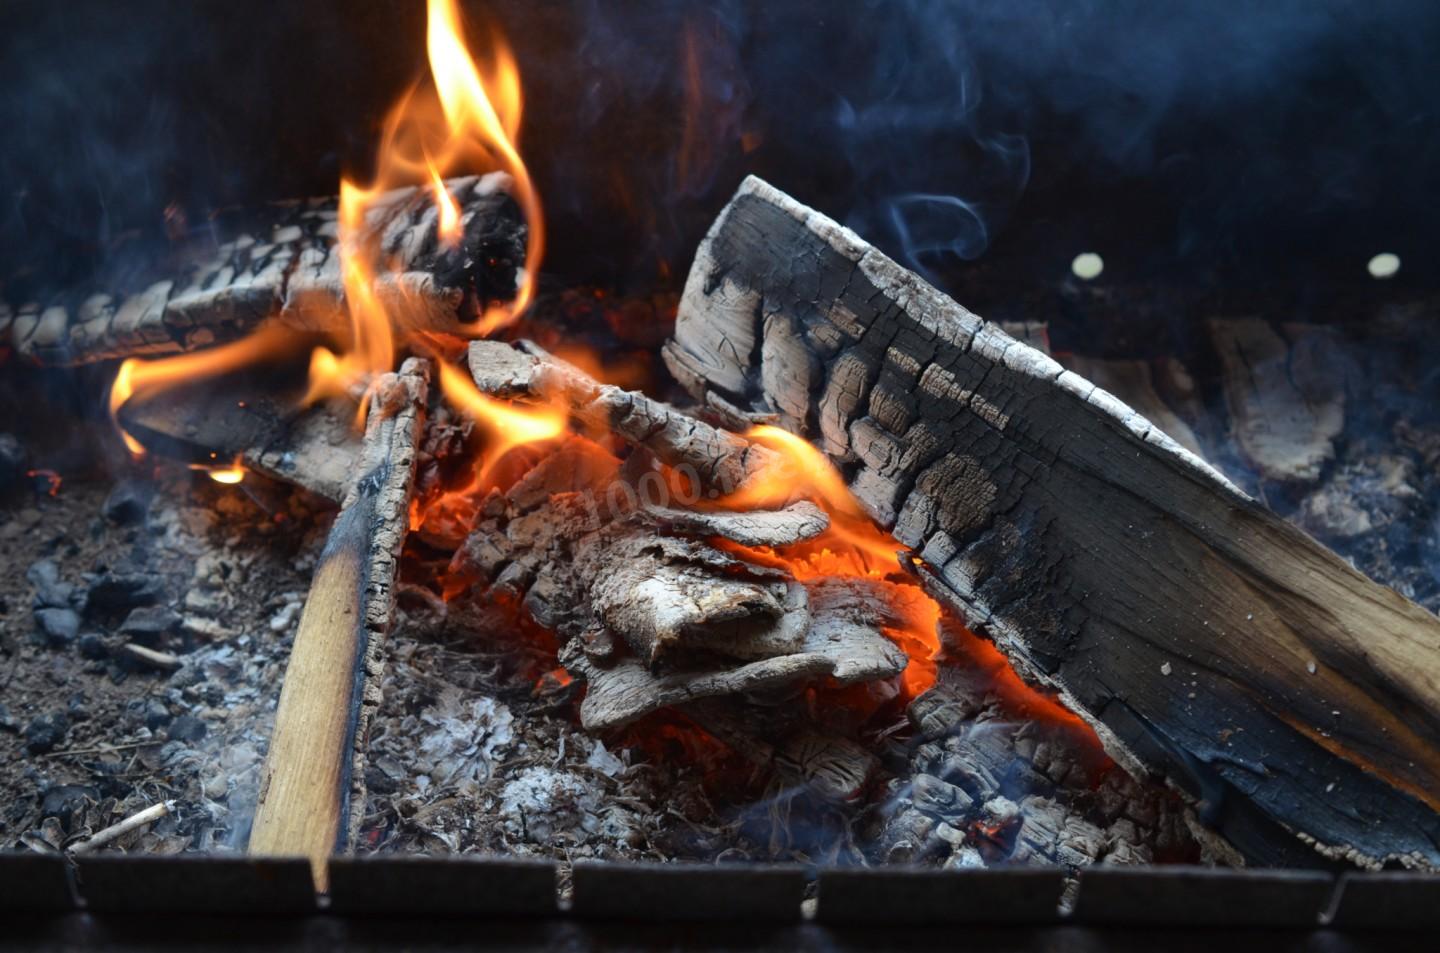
[1290,697]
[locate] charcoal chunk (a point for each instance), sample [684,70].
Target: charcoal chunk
[148,625]
[128,502]
[113,591]
[93,647]
[61,626]
[45,732]
[50,591]
[187,728]
[66,801]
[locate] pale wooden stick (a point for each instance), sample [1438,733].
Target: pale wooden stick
[312,783]
[115,831]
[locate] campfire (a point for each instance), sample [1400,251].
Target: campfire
[827,570]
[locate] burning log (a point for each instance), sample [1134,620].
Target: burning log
[660,603]
[284,267]
[1135,383]
[722,461]
[312,788]
[1202,636]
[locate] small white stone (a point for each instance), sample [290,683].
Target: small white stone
[1165,668]
[1329,787]
[1310,666]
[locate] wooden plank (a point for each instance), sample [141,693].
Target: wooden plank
[1202,636]
[312,783]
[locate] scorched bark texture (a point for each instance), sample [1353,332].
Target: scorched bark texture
[283,265]
[1204,637]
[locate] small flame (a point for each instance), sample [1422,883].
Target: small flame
[228,475]
[511,426]
[852,546]
[449,224]
[141,379]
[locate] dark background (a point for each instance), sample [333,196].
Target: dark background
[1210,142]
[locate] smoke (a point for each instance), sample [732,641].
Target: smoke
[943,131]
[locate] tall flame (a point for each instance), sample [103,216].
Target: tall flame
[483,115]
[467,123]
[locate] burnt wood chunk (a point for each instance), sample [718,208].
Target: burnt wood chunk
[1201,635]
[282,264]
[1286,397]
[258,417]
[312,785]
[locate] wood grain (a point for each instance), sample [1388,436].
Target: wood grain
[312,782]
[1205,638]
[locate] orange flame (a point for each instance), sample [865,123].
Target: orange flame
[467,123]
[511,426]
[142,379]
[229,475]
[449,227]
[483,115]
[852,546]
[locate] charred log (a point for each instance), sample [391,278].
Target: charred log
[1203,637]
[283,265]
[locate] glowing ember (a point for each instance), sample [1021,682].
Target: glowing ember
[49,478]
[228,475]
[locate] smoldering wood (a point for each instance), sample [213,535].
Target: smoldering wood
[786,741]
[835,646]
[281,264]
[985,787]
[1203,637]
[722,461]
[1285,396]
[654,614]
[258,417]
[312,787]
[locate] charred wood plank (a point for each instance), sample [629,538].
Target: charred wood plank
[1204,638]
[1134,383]
[283,265]
[312,787]
[258,417]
